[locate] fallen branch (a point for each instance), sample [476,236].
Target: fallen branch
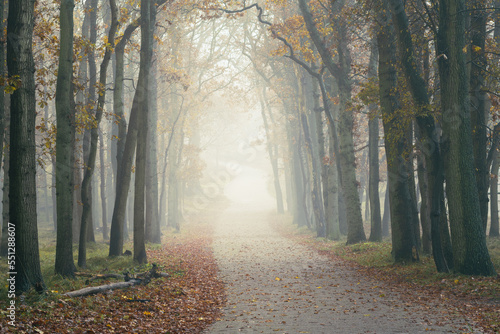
[101,288]
[142,278]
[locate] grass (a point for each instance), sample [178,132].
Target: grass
[98,262]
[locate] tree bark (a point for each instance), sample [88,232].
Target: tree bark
[2,74]
[153,233]
[5,189]
[429,143]
[90,107]
[470,254]
[494,225]
[64,145]
[105,234]
[22,169]
[478,101]
[386,218]
[332,208]
[397,148]
[142,136]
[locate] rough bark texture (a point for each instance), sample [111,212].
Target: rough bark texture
[64,145]
[22,195]
[5,189]
[397,148]
[2,74]
[470,254]
[429,143]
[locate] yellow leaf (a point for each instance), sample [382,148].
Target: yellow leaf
[277,279]
[465,49]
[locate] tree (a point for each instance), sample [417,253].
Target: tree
[397,145]
[470,254]
[429,141]
[64,144]
[340,71]
[478,100]
[94,138]
[22,169]
[142,135]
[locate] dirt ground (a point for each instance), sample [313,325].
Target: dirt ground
[274,285]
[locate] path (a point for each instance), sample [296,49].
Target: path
[277,286]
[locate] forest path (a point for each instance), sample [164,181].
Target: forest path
[274,285]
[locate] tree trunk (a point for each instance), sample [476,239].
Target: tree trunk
[397,148]
[425,212]
[22,169]
[125,169]
[386,219]
[5,189]
[94,136]
[317,200]
[299,213]
[332,209]
[273,158]
[87,199]
[78,146]
[355,232]
[2,74]
[142,136]
[104,212]
[494,225]
[374,177]
[478,101]
[53,193]
[153,233]
[429,143]
[64,145]
[470,254]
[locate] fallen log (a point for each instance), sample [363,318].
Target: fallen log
[101,288]
[142,278]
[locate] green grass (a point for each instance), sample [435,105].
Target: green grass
[98,262]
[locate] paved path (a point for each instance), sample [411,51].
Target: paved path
[277,286]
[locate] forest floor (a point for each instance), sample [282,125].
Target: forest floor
[186,302]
